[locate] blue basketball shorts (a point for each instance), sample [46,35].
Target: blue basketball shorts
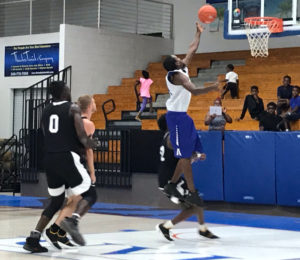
[183,135]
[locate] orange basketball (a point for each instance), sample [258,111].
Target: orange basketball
[207,13]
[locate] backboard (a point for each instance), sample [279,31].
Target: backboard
[238,10]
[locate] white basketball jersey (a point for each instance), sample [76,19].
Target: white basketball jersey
[180,98]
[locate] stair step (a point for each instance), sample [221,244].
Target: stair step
[130,115]
[124,124]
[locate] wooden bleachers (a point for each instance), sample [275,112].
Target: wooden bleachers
[266,73]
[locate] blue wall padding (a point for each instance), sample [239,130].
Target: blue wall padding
[249,167]
[208,174]
[288,168]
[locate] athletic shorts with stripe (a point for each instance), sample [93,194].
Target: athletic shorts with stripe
[65,170]
[183,135]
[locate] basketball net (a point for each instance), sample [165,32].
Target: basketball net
[258,30]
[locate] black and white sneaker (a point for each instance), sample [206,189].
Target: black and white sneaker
[193,198]
[207,234]
[62,239]
[70,225]
[33,245]
[171,190]
[51,238]
[164,231]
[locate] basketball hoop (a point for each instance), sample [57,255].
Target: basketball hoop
[258,30]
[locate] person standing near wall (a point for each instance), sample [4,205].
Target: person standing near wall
[145,83]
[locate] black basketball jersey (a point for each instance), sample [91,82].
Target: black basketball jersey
[59,130]
[167,163]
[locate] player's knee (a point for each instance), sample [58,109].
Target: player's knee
[55,205]
[90,196]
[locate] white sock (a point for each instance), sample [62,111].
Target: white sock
[202,228]
[168,224]
[36,231]
[76,215]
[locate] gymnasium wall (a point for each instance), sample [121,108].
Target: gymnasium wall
[185,16]
[102,58]
[7,84]
[98,58]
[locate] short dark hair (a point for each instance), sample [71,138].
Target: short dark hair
[230,66]
[56,89]
[287,77]
[145,74]
[254,87]
[297,87]
[162,123]
[169,63]
[272,104]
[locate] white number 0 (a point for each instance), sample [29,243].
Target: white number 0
[53,124]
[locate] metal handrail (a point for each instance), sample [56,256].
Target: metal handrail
[112,110]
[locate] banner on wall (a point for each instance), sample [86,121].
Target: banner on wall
[31,60]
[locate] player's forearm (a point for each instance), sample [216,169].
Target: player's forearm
[90,161]
[199,91]
[195,43]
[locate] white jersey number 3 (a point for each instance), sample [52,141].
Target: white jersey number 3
[53,124]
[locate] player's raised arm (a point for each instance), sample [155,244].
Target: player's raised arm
[181,79]
[194,45]
[78,123]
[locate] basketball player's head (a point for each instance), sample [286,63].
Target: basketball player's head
[59,91]
[254,90]
[271,108]
[162,123]
[145,74]
[172,62]
[87,104]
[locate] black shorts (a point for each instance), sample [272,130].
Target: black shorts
[64,170]
[233,88]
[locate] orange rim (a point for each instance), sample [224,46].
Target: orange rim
[275,25]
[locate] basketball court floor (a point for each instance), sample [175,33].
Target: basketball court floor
[115,231]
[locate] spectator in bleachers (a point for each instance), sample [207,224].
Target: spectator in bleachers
[217,122]
[294,112]
[269,121]
[284,93]
[232,82]
[253,103]
[145,82]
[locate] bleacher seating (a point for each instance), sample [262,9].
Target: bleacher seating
[266,73]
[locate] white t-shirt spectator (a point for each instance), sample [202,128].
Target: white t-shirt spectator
[231,76]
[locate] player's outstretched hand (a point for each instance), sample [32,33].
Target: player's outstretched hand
[199,27]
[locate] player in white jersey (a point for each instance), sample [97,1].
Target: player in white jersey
[183,135]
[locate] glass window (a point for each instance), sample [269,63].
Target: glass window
[279,8]
[242,9]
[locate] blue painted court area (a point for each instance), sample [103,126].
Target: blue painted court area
[227,218]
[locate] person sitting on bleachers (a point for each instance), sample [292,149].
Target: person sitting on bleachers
[253,103]
[217,122]
[284,93]
[269,121]
[294,112]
